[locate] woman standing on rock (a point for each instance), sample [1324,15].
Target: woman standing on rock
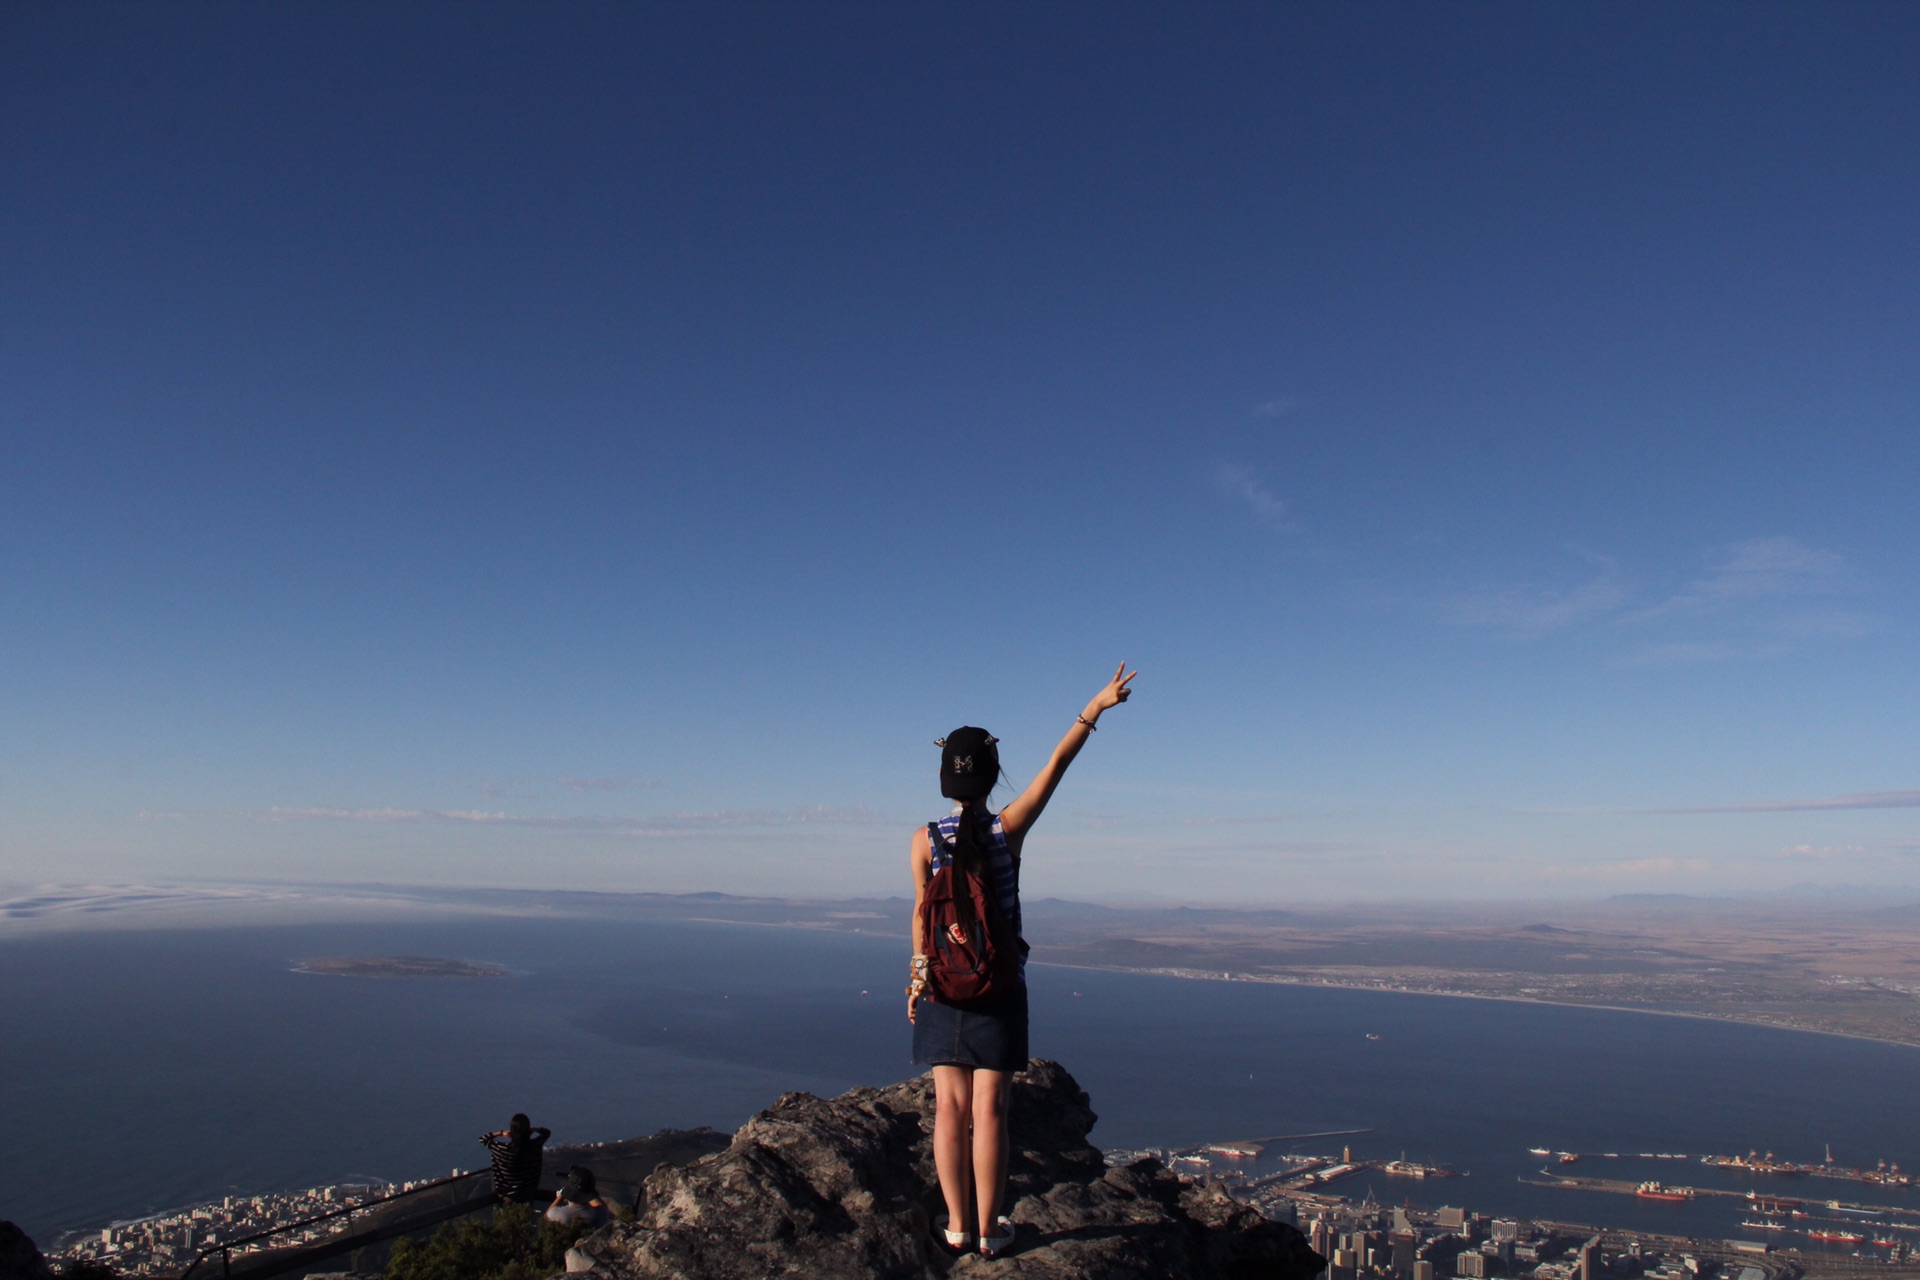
[967,990]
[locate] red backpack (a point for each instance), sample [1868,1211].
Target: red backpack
[968,967]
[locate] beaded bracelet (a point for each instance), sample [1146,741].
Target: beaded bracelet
[1091,726]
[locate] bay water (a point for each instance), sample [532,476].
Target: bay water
[147,1070]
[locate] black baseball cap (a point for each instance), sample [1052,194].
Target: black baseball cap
[969,763]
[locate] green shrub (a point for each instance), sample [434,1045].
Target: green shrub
[511,1243]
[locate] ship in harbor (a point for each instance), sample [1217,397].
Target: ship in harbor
[1660,1191]
[1883,1174]
[1765,1224]
[1405,1168]
[1836,1237]
[1774,1204]
[1754,1162]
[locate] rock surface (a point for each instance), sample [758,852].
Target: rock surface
[19,1259]
[845,1190]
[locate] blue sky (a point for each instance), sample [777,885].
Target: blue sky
[603,446]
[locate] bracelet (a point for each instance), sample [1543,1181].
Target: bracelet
[920,965]
[1091,726]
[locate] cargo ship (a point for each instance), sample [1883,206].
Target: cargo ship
[1405,1168]
[1754,1162]
[1773,1204]
[1765,1224]
[1659,1191]
[1836,1237]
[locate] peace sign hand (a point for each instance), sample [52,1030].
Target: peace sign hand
[1116,691]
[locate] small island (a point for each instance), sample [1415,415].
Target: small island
[398,967]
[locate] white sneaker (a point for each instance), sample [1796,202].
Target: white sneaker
[1002,1238]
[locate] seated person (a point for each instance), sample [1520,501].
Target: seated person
[579,1200]
[517,1157]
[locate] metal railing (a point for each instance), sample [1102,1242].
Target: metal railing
[226,1248]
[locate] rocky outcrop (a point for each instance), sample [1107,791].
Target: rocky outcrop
[845,1190]
[19,1259]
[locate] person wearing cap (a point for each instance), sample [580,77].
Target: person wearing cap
[974,1051]
[578,1200]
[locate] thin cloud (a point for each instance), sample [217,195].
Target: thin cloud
[1527,612]
[1102,821]
[1856,800]
[1771,567]
[1245,488]
[1757,569]
[610,784]
[1820,852]
[1824,624]
[683,823]
[527,788]
[1627,869]
[1692,653]
[1277,407]
[1755,600]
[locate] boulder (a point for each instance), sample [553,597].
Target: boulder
[19,1258]
[845,1190]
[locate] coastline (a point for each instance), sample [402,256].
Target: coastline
[1195,975]
[1190,975]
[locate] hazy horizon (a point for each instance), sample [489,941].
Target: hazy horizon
[35,909]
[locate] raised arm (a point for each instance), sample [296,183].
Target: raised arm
[1025,809]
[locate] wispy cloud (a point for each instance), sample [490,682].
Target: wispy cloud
[1758,599]
[527,788]
[1692,653]
[1526,612]
[1855,800]
[1102,821]
[610,784]
[1245,488]
[1756,569]
[1277,407]
[1626,869]
[1820,852]
[683,823]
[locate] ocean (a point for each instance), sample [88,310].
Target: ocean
[147,1070]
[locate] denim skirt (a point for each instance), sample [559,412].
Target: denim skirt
[994,1038]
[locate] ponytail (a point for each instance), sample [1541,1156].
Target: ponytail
[969,859]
